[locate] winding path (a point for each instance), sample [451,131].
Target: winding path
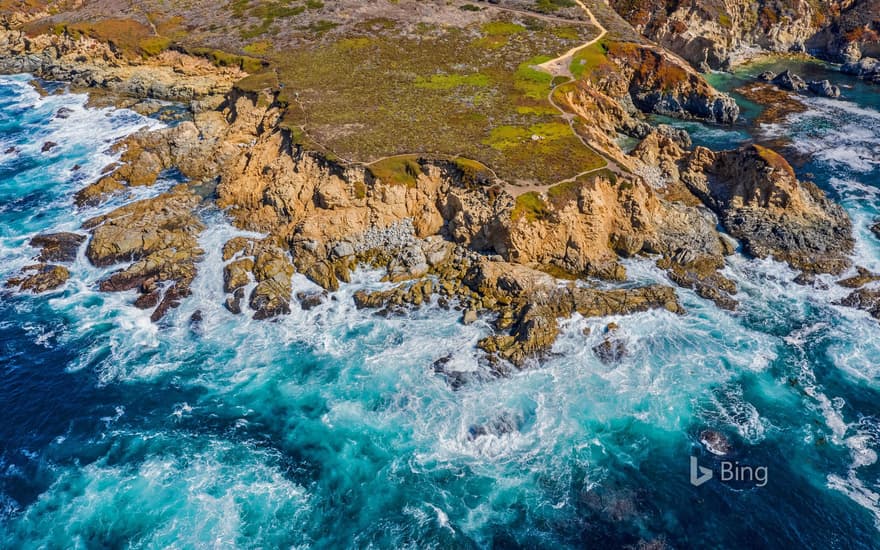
[556,67]
[561,67]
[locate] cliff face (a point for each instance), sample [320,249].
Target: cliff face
[88,63]
[717,33]
[658,82]
[437,224]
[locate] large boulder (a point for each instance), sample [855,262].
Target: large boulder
[158,237]
[759,200]
[824,88]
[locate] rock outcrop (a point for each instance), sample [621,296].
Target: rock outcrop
[658,82]
[46,275]
[718,34]
[158,238]
[88,63]
[760,201]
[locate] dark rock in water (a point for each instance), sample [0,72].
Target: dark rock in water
[505,423]
[767,76]
[58,247]
[40,278]
[48,146]
[866,299]
[455,378]
[195,320]
[866,67]
[310,300]
[10,151]
[63,113]
[149,300]
[875,229]
[760,201]
[233,303]
[787,80]
[76,168]
[859,280]
[715,442]
[805,279]
[824,88]
[611,350]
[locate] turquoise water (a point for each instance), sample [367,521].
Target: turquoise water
[330,428]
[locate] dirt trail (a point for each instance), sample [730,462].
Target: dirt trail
[561,66]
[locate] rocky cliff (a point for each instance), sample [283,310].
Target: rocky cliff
[717,33]
[441,227]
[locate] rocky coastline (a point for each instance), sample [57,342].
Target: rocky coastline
[471,242]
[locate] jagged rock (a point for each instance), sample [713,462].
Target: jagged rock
[535,302]
[866,67]
[866,299]
[824,88]
[610,350]
[469,317]
[57,247]
[233,303]
[701,275]
[787,80]
[310,300]
[237,274]
[716,442]
[40,278]
[759,201]
[767,76]
[397,299]
[159,237]
[270,298]
[48,146]
[861,279]
[273,272]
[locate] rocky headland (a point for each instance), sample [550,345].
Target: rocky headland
[444,229]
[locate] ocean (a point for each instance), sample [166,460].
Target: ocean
[329,428]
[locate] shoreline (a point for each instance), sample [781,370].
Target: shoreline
[485,259]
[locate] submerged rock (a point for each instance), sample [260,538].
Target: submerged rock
[610,350]
[715,442]
[505,423]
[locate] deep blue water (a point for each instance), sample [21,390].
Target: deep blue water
[329,428]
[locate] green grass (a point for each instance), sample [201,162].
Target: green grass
[226,59]
[532,82]
[374,91]
[588,59]
[257,82]
[531,207]
[502,28]
[400,170]
[550,6]
[154,45]
[450,81]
